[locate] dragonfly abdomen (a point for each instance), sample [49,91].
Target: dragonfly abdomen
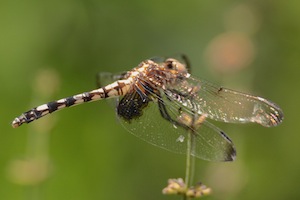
[118,88]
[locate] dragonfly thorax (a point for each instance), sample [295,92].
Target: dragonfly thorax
[158,74]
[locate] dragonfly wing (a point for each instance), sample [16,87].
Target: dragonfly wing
[224,104]
[210,143]
[213,144]
[106,78]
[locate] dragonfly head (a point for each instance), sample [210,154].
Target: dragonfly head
[175,66]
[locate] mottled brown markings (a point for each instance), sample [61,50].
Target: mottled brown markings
[220,89]
[105,92]
[120,86]
[147,78]
[100,93]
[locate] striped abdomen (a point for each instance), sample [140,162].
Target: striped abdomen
[115,89]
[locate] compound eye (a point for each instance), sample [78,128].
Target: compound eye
[170,64]
[174,65]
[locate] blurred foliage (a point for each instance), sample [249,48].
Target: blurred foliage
[81,153]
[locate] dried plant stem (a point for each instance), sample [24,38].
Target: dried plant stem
[189,171]
[188,160]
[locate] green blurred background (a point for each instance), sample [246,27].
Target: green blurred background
[54,49]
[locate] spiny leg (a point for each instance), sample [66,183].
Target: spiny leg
[164,113]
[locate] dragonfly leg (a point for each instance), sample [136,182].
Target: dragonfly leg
[164,113]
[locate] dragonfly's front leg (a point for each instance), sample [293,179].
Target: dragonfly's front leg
[164,113]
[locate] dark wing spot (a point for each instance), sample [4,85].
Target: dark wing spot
[131,105]
[225,136]
[230,152]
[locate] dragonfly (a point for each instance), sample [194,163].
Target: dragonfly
[160,102]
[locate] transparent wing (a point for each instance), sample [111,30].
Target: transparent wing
[152,126]
[105,78]
[223,104]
